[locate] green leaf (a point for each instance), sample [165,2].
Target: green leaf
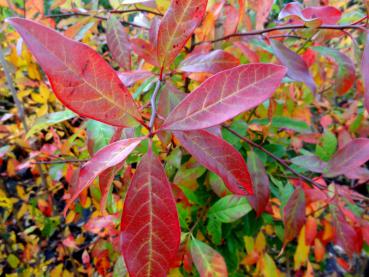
[13,261]
[99,133]
[230,208]
[120,268]
[327,146]
[48,120]
[214,229]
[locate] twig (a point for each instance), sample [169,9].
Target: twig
[280,161]
[285,27]
[19,106]
[106,11]
[95,16]
[60,161]
[153,104]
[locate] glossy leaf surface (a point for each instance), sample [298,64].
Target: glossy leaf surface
[208,261]
[110,156]
[294,215]
[297,68]
[220,157]
[80,77]
[225,95]
[118,43]
[229,208]
[177,26]
[150,229]
[212,62]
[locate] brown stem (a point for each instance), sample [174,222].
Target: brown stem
[285,27]
[280,161]
[107,11]
[94,16]
[19,106]
[60,161]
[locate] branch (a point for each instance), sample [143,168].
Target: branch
[19,106]
[60,161]
[126,23]
[153,104]
[285,27]
[106,11]
[280,161]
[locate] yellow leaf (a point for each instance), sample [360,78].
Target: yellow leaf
[57,271]
[44,91]
[260,242]
[302,251]
[249,244]
[270,269]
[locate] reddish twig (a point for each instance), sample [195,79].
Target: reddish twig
[280,161]
[285,27]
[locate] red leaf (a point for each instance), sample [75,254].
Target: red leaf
[79,76]
[129,78]
[118,43]
[169,97]
[153,32]
[207,261]
[297,68]
[311,16]
[144,50]
[232,17]
[365,72]
[327,14]
[294,215]
[225,95]
[150,227]
[212,62]
[108,157]
[311,230]
[349,157]
[262,9]
[220,157]
[344,234]
[177,26]
[260,182]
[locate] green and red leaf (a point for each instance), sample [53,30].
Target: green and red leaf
[177,26]
[118,43]
[220,157]
[225,95]
[79,76]
[260,183]
[150,229]
[108,157]
[345,76]
[294,215]
[352,155]
[207,261]
[212,62]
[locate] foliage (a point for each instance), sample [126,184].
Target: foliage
[199,138]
